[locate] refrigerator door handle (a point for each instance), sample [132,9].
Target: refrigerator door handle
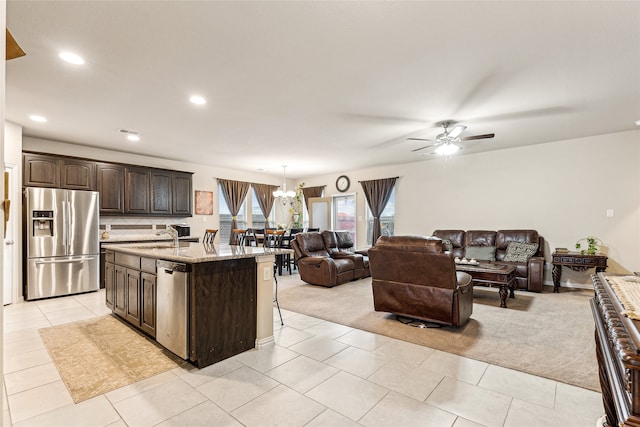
[64,261]
[64,226]
[69,229]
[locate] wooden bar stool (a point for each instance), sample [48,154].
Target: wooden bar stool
[209,236]
[237,236]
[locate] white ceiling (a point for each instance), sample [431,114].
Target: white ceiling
[323,87]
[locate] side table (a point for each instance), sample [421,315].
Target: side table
[577,262]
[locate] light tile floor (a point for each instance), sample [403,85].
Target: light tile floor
[317,374]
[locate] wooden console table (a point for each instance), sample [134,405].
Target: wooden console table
[577,262]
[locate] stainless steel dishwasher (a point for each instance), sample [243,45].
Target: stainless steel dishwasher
[172,323]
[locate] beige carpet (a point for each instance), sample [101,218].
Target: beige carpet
[99,355]
[549,335]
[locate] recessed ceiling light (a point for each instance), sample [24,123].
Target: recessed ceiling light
[637,122]
[37,118]
[71,58]
[198,100]
[131,135]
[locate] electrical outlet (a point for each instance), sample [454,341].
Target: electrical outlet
[266,273]
[609,213]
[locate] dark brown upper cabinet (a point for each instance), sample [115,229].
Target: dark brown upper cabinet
[77,174]
[182,198]
[124,189]
[41,170]
[137,190]
[110,179]
[161,192]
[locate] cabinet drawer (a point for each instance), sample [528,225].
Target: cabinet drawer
[126,260]
[148,265]
[110,257]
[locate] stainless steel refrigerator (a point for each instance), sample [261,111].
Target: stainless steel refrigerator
[62,246]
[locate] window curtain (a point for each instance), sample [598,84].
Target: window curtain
[234,193]
[264,194]
[309,192]
[377,192]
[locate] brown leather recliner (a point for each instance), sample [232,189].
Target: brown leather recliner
[339,244]
[413,277]
[315,263]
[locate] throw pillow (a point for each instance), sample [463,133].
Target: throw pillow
[520,252]
[485,253]
[447,245]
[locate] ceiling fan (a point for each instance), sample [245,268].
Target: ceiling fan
[445,142]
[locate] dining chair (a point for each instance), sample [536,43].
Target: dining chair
[287,244]
[255,236]
[209,236]
[237,236]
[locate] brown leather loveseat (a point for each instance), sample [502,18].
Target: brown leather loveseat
[412,276]
[325,258]
[529,268]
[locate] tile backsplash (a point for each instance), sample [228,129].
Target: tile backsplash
[119,227]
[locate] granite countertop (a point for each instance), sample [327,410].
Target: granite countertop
[191,252]
[161,238]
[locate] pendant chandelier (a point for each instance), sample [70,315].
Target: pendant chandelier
[283,194]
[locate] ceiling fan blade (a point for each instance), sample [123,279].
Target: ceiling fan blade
[419,139]
[422,148]
[12,49]
[456,131]
[485,136]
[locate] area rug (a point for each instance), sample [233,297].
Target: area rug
[102,354]
[548,335]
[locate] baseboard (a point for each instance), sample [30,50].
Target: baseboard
[263,342]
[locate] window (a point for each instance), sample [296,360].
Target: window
[344,214]
[225,218]
[387,219]
[257,218]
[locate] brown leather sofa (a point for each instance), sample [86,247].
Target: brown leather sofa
[413,277]
[324,258]
[529,274]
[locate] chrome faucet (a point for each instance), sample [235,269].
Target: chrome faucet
[172,231]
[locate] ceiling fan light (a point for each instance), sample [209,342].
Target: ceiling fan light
[447,149]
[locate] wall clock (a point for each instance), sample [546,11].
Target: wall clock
[343,183]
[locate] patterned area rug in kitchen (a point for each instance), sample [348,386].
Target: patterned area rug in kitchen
[99,355]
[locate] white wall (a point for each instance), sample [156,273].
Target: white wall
[562,189]
[3,22]
[13,155]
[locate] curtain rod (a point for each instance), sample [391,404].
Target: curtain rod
[393,177]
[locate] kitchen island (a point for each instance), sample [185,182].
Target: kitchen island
[228,295]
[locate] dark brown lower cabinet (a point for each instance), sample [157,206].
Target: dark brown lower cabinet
[133,297]
[130,289]
[120,291]
[110,286]
[148,315]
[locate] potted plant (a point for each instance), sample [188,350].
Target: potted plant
[593,245]
[296,207]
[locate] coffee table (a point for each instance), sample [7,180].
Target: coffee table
[488,273]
